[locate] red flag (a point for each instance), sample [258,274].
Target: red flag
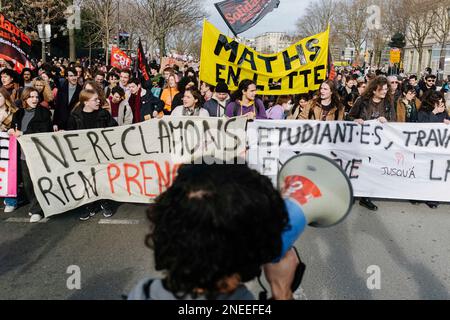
[119,59]
[15,45]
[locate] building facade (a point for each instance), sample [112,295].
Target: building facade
[272,42]
[430,57]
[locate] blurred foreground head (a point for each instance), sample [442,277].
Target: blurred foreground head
[214,222]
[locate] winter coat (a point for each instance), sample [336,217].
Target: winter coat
[213,105]
[63,106]
[361,110]
[76,120]
[314,111]
[41,122]
[402,109]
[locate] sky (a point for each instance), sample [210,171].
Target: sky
[280,19]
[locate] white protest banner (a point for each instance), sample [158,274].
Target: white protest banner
[8,165]
[133,163]
[394,160]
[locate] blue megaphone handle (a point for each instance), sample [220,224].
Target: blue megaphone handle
[296,225]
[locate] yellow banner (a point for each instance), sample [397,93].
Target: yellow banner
[298,69]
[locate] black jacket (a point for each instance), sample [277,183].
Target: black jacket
[76,120]
[361,110]
[430,117]
[41,122]
[63,106]
[149,104]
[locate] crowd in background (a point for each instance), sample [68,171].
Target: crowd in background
[71,96]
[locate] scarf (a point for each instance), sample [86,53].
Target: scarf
[190,112]
[135,104]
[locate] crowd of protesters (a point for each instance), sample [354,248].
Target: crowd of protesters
[67,96]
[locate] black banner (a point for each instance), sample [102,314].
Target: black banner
[241,15]
[15,45]
[142,62]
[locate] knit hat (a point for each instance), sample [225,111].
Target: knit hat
[222,87]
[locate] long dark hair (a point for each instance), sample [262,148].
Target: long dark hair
[335,99]
[430,99]
[197,95]
[374,84]
[243,86]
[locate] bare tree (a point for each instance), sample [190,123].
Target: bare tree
[181,39]
[160,17]
[441,28]
[420,24]
[103,19]
[351,22]
[316,18]
[36,12]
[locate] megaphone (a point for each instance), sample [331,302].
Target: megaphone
[316,191]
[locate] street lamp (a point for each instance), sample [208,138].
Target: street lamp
[45,34]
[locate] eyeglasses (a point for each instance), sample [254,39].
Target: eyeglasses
[394,82]
[431,80]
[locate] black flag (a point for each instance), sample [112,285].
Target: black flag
[142,62]
[241,15]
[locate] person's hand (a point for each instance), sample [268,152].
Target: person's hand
[251,115]
[55,128]
[382,120]
[16,133]
[280,275]
[446,121]
[155,114]
[359,121]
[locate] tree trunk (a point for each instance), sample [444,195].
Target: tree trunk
[72,53]
[162,49]
[419,65]
[442,58]
[107,47]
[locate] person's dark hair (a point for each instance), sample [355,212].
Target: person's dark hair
[197,95]
[99,73]
[413,76]
[430,76]
[136,81]
[11,73]
[210,86]
[119,90]
[243,86]
[297,98]
[71,69]
[335,98]
[189,70]
[408,88]
[374,84]
[126,71]
[213,222]
[114,75]
[430,99]
[184,82]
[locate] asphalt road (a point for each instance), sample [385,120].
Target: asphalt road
[407,244]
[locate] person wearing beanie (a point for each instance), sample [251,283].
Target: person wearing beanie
[217,104]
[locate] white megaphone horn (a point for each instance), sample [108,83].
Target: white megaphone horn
[317,192]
